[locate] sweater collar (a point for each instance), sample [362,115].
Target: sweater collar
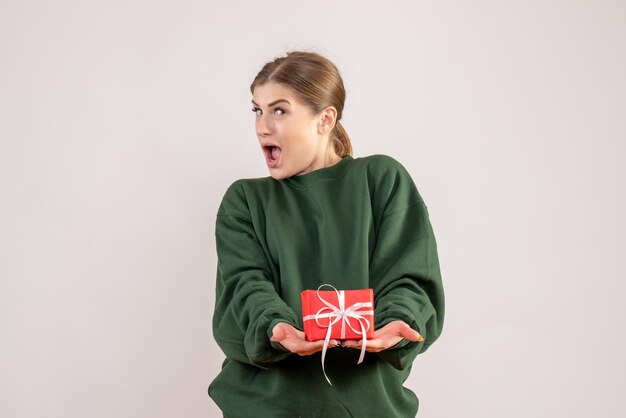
[306,181]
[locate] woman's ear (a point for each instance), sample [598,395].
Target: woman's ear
[327,120]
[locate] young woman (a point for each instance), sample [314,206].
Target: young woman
[321,217]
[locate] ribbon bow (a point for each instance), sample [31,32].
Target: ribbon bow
[341,313]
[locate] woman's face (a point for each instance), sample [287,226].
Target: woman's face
[294,140]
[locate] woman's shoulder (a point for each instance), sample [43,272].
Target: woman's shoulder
[387,177]
[238,193]
[382,164]
[379,160]
[240,185]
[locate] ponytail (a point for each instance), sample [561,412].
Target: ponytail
[341,141]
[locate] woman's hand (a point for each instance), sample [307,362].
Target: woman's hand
[386,337]
[293,340]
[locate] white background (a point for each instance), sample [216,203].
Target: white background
[123,122]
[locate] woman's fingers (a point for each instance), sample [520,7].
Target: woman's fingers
[412,335]
[375,345]
[293,340]
[409,333]
[305,348]
[387,336]
[278,334]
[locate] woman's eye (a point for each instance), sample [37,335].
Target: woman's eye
[278,111]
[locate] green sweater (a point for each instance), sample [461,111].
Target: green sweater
[360,223]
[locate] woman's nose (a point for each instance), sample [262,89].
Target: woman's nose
[263,125]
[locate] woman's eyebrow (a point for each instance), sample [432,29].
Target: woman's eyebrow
[273,103]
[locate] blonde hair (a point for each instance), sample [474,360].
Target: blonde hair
[318,84]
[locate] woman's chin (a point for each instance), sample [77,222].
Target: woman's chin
[278,174]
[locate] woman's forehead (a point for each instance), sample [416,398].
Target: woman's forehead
[269,93]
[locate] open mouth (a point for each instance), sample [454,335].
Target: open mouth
[272,154]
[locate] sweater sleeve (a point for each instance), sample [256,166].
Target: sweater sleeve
[247,305]
[404,269]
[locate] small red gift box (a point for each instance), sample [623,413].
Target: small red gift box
[348,313]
